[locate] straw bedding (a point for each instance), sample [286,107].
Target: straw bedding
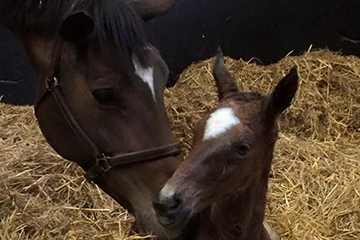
[314,190]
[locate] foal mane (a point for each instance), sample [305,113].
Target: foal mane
[115,21]
[249,96]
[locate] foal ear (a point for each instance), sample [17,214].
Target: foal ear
[283,93]
[77,27]
[225,83]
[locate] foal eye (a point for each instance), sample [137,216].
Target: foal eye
[104,96]
[242,150]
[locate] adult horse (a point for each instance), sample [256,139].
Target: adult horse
[99,92]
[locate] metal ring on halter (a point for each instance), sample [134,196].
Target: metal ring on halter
[51,82]
[103,160]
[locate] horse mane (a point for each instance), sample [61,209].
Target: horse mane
[115,21]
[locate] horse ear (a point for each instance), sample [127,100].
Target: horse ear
[284,92]
[77,27]
[225,83]
[149,9]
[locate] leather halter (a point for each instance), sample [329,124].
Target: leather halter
[103,162]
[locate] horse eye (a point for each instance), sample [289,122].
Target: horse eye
[104,96]
[242,150]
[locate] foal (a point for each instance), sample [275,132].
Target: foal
[219,191]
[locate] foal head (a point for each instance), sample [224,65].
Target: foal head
[232,149]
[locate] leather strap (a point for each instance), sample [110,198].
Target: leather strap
[103,162]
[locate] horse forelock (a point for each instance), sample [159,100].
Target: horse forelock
[115,21]
[118,23]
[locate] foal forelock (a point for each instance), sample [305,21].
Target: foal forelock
[224,118]
[219,122]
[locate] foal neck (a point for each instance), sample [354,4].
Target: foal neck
[241,215]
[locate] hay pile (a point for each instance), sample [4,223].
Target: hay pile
[42,196]
[315,184]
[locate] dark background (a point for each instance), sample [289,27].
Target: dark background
[263,29]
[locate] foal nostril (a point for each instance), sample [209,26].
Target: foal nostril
[166,205]
[173,203]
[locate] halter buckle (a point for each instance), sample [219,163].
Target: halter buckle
[51,82]
[103,160]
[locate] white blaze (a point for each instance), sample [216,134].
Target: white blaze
[219,122]
[146,74]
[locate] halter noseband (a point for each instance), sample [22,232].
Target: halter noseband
[103,162]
